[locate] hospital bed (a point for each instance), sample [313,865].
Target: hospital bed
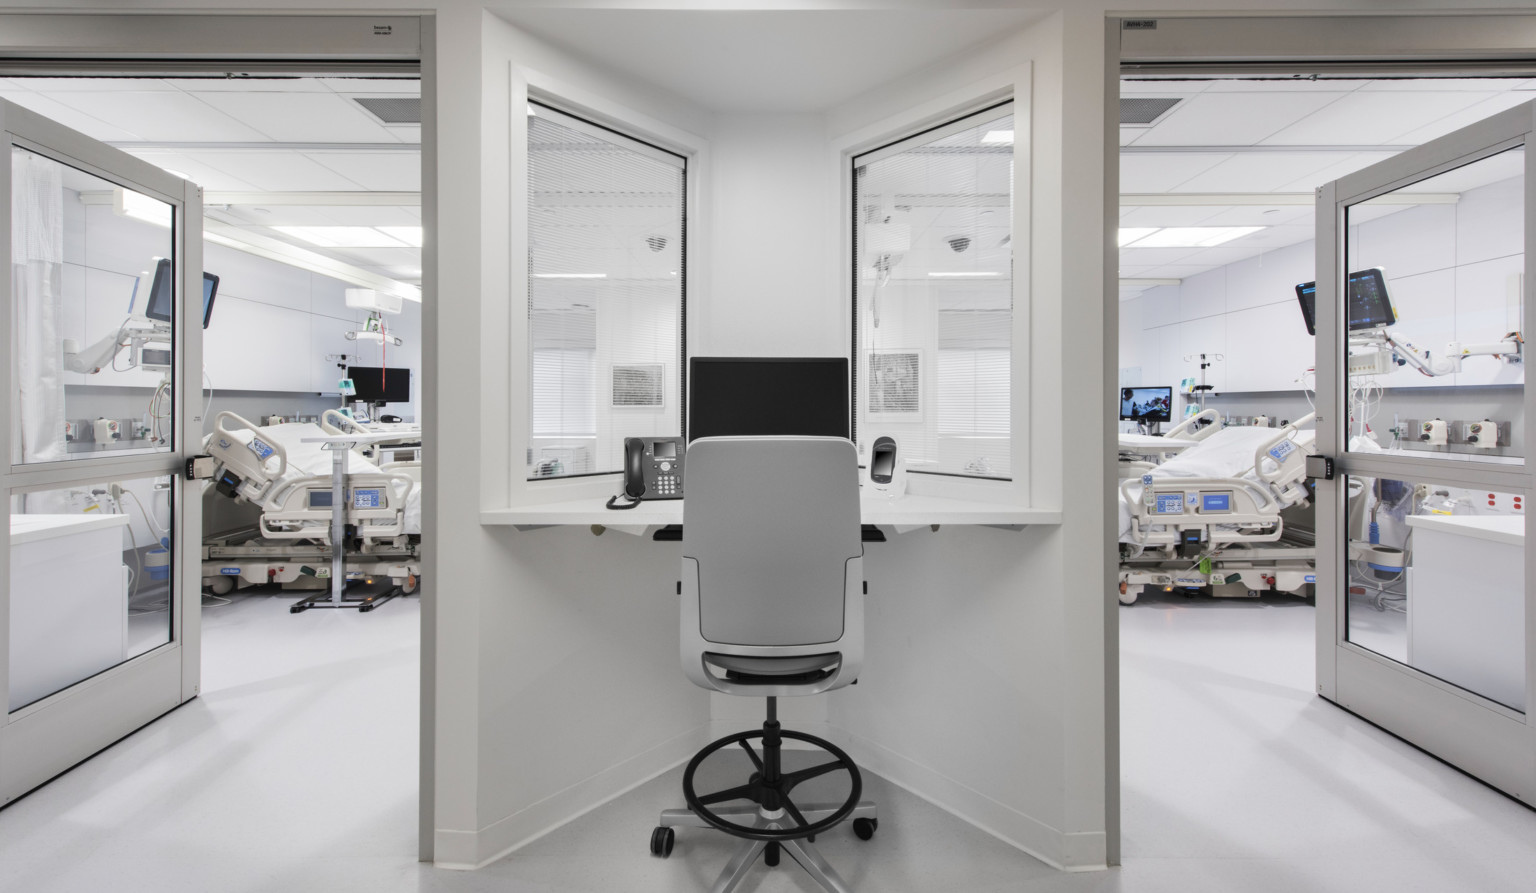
[1210,519]
[290,481]
[1140,453]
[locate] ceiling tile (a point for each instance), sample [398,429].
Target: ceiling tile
[1263,215]
[1287,85]
[1471,115]
[405,133]
[300,117]
[1164,88]
[1178,271]
[1233,119]
[371,215]
[1373,119]
[279,171]
[1260,171]
[97,85]
[1334,171]
[170,115]
[1167,215]
[195,170]
[388,85]
[1159,172]
[280,215]
[1153,257]
[249,85]
[63,114]
[1418,85]
[378,171]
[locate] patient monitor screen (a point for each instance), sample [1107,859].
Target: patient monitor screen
[1369,305]
[1146,404]
[159,305]
[381,384]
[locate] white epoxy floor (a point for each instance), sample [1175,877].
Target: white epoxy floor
[296,771]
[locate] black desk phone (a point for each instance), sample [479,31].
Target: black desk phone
[653,469]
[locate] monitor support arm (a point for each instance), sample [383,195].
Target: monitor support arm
[1509,349]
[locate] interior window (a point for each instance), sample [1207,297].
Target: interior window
[605,287]
[933,295]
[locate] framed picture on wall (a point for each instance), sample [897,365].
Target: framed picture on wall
[895,385]
[639,386]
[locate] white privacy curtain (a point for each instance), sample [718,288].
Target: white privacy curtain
[37,264]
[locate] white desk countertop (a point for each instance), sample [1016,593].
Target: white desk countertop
[31,528]
[903,511]
[1508,529]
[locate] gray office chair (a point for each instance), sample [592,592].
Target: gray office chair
[772,606]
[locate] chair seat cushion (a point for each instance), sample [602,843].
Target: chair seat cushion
[773,670]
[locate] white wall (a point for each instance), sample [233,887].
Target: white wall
[774,289]
[272,324]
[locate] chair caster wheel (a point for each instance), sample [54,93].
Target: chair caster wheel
[661,842]
[864,829]
[771,855]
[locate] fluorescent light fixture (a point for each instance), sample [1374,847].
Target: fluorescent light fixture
[570,275]
[1129,234]
[410,235]
[128,203]
[962,275]
[997,138]
[342,236]
[1194,236]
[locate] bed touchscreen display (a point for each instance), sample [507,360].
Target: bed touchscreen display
[1170,504]
[1215,502]
[319,499]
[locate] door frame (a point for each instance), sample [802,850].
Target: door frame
[1487,739]
[43,738]
[183,42]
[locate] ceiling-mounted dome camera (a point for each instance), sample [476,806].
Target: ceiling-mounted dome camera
[958,244]
[656,242]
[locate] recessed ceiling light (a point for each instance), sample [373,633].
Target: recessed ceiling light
[997,137]
[342,236]
[1130,234]
[1194,236]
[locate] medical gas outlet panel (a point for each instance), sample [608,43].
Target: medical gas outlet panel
[1451,435]
[88,435]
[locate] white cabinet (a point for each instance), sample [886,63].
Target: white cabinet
[1466,603]
[69,604]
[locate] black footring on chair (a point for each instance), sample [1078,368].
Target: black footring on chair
[770,787]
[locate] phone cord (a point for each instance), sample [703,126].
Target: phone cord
[613,503]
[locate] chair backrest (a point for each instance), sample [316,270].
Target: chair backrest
[773,526]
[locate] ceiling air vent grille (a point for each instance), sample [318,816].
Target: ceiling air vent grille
[399,109]
[1144,110]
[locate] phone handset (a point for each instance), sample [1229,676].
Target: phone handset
[653,469]
[634,475]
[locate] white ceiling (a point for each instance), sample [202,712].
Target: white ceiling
[259,135]
[768,61]
[1281,136]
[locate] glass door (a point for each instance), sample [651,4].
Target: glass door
[1425,615]
[99,568]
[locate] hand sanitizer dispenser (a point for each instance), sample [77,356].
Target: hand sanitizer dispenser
[887,469]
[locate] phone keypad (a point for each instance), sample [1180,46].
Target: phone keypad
[666,485]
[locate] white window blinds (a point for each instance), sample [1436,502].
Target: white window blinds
[933,295]
[605,287]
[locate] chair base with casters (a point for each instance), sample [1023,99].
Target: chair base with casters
[771,822]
